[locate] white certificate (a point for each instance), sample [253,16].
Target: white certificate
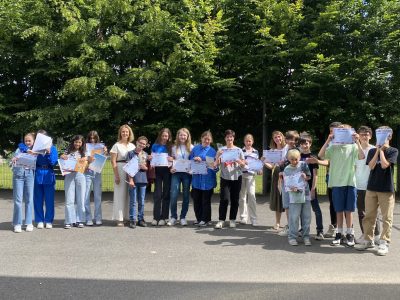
[92,148]
[295,181]
[98,163]
[42,142]
[254,164]
[159,160]
[382,135]
[273,156]
[25,160]
[181,165]
[229,155]
[198,167]
[132,167]
[67,165]
[342,136]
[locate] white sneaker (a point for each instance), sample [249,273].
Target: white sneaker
[183,222]
[254,223]
[243,221]
[284,231]
[331,233]
[202,224]
[171,222]
[99,223]
[232,224]
[67,226]
[81,225]
[383,248]
[89,223]
[29,228]
[161,223]
[49,226]
[365,245]
[219,225]
[154,223]
[17,228]
[293,242]
[40,225]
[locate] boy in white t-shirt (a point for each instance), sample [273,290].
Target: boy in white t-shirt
[362,175]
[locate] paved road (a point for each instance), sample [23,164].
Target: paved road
[186,263]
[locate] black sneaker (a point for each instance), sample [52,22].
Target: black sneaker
[337,240]
[350,240]
[132,224]
[142,223]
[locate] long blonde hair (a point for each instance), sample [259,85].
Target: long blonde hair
[272,144]
[188,143]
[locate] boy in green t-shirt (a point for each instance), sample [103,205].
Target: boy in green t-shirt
[342,181]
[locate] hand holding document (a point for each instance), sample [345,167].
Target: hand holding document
[342,136]
[25,160]
[92,148]
[229,155]
[199,168]
[98,163]
[273,156]
[132,167]
[382,135]
[254,164]
[294,182]
[159,160]
[42,142]
[181,165]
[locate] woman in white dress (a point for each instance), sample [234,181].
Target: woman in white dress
[118,159]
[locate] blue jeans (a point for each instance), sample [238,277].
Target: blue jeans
[23,182]
[136,199]
[95,179]
[299,212]
[318,214]
[75,189]
[176,180]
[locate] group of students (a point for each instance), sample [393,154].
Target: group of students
[359,176]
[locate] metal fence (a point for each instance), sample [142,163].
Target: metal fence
[108,179]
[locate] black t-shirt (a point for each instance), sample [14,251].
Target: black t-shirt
[381,180]
[304,156]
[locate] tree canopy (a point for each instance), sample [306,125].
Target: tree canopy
[78,65]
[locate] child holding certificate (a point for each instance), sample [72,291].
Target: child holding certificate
[203,185]
[180,152]
[75,184]
[93,179]
[23,181]
[231,160]
[162,182]
[137,184]
[342,180]
[45,186]
[247,209]
[297,191]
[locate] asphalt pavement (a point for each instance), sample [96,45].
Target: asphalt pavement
[107,262]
